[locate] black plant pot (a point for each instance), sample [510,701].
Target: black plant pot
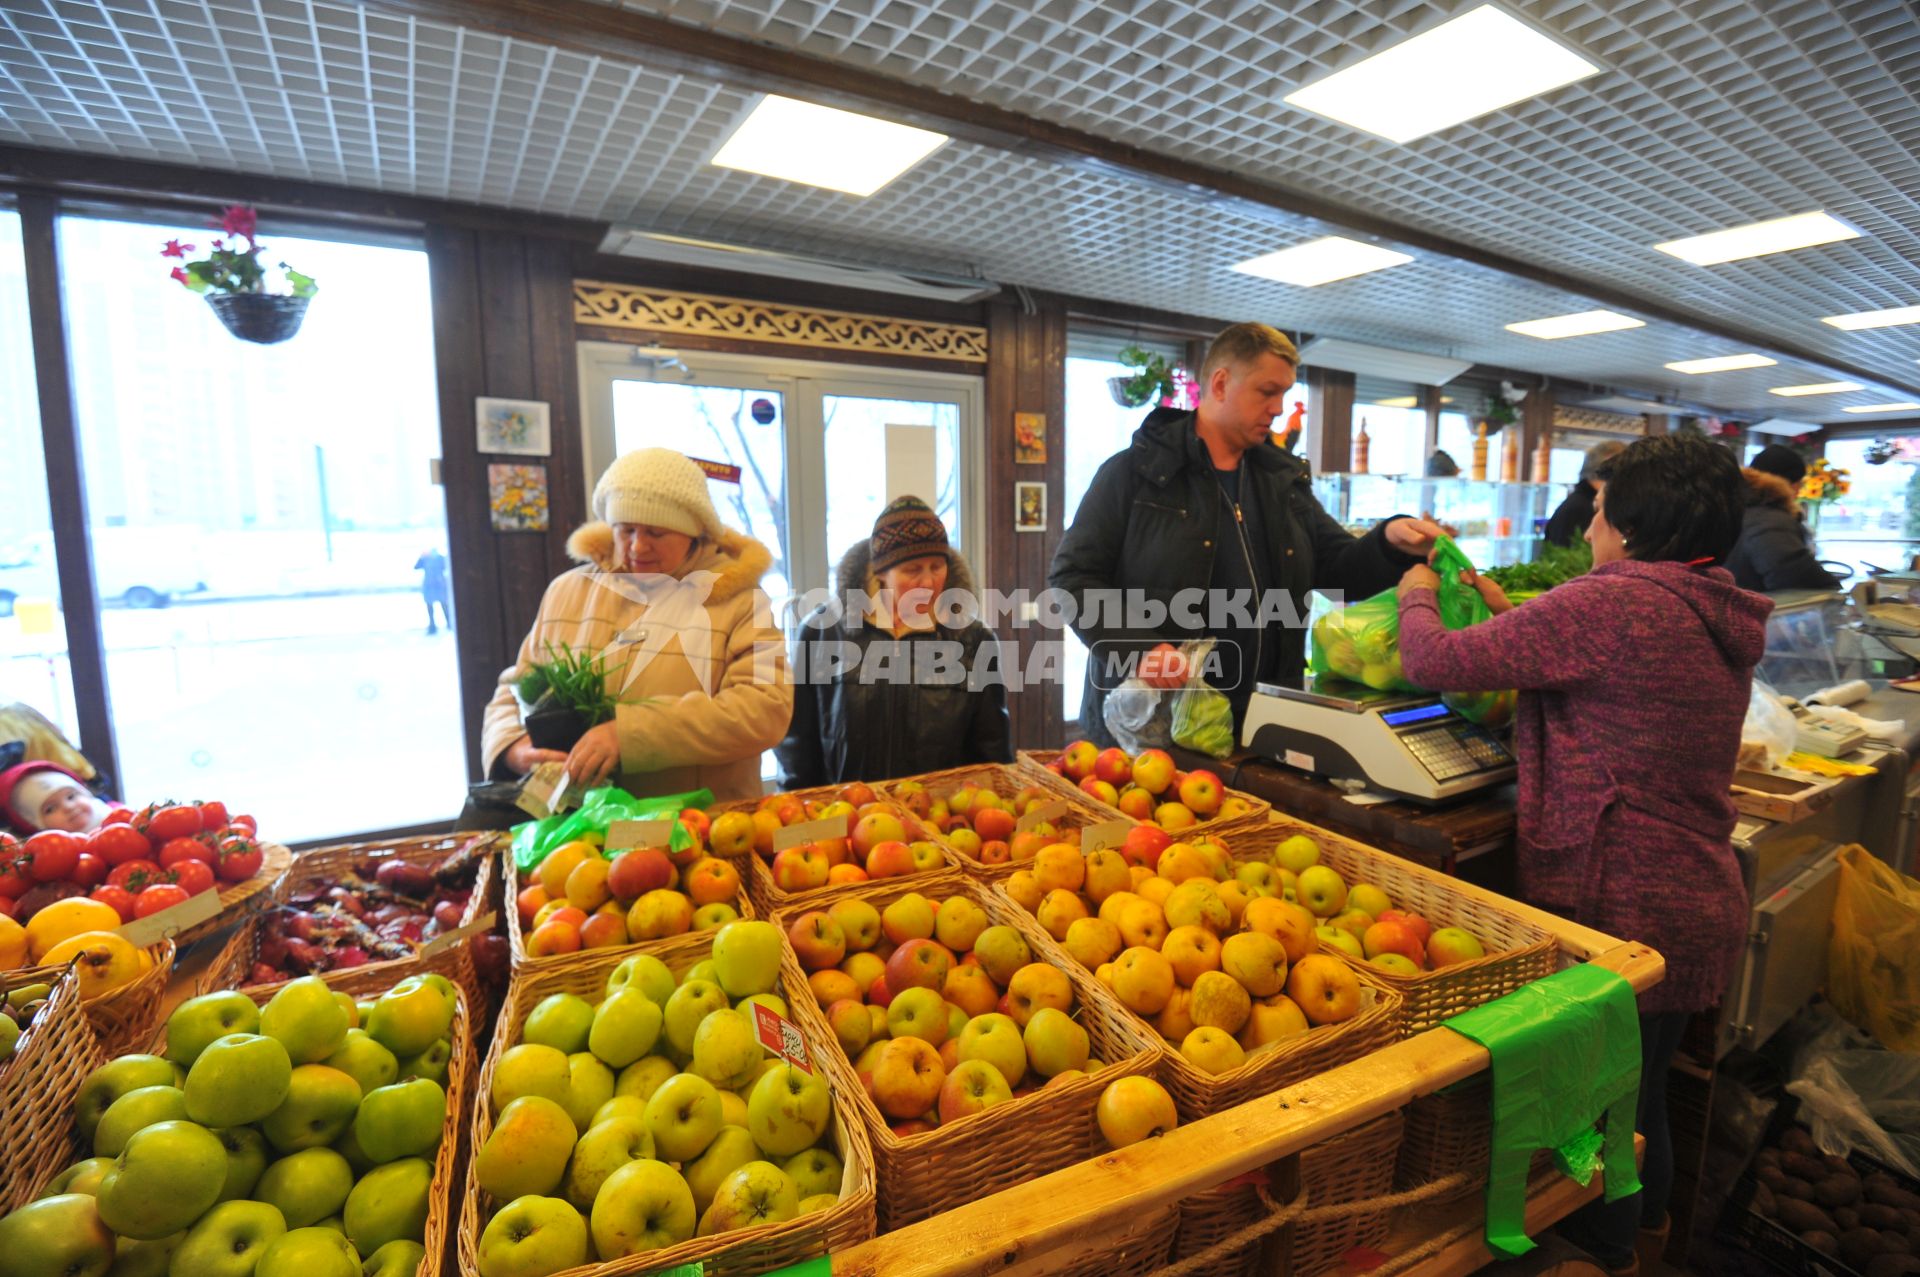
[264,318]
[555,728]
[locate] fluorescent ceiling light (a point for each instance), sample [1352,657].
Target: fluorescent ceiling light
[1580,325]
[1723,363]
[1322,261]
[1404,401]
[1907,406]
[1379,361]
[822,146]
[1780,235]
[1816,388]
[1425,84]
[1876,318]
[1783,426]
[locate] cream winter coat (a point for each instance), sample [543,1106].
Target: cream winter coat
[697,664]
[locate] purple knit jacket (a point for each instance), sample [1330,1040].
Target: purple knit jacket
[1633,685]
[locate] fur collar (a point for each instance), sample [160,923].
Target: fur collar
[1771,490]
[852,572]
[737,560]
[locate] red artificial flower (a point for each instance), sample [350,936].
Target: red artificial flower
[181,275]
[239,220]
[175,248]
[219,244]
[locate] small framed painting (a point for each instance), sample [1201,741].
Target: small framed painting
[1029,507]
[1030,438]
[517,497]
[514,426]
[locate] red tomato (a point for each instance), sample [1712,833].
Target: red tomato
[169,823]
[136,875]
[117,844]
[179,849]
[239,859]
[160,896]
[15,881]
[51,855]
[7,905]
[212,815]
[118,816]
[89,870]
[247,823]
[119,897]
[195,875]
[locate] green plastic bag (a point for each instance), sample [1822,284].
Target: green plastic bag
[1361,643]
[1202,718]
[1462,605]
[601,807]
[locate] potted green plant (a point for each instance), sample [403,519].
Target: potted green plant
[563,696]
[1155,380]
[234,282]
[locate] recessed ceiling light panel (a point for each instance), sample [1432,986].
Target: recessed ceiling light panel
[1402,401]
[1722,363]
[1906,406]
[1876,318]
[1577,325]
[1322,261]
[822,146]
[1779,235]
[1816,388]
[1427,83]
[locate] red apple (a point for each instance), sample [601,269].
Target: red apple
[907,1077]
[994,824]
[1113,766]
[1077,760]
[800,868]
[889,859]
[1153,771]
[1135,803]
[1099,790]
[1421,928]
[1143,845]
[1201,792]
[874,828]
[635,872]
[919,964]
[817,940]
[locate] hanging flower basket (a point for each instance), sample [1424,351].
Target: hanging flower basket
[1125,395]
[264,318]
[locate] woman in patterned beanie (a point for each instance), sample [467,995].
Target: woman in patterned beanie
[905,685]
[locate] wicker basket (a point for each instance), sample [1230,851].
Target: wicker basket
[1006,780]
[517,934]
[1212,1215]
[1141,1249]
[38,1085]
[1354,1167]
[1520,951]
[1034,1135]
[125,1018]
[745,1253]
[240,900]
[1451,1131]
[767,895]
[1034,763]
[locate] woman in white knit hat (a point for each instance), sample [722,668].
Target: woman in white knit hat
[671,598]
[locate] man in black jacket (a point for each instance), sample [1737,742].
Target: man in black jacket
[1202,500]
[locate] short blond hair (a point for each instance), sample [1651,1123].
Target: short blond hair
[1242,344]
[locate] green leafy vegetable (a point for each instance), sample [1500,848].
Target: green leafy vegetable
[1556,563]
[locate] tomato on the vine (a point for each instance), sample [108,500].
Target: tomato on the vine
[194,875]
[117,815]
[212,815]
[247,823]
[51,855]
[160,896]
[179,849]
[136,875]
[117,844]
[15,881]
[166,823]
[240,859]
[89,870]
[119,897]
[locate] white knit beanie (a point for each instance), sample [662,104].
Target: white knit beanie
[659,488]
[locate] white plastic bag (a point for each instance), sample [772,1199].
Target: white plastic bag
[1855,1093]
[1140,717]
[1769,728]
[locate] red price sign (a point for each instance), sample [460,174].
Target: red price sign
[778,1035]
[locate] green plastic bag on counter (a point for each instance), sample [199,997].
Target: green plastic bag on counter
[533,840]
[1361,644]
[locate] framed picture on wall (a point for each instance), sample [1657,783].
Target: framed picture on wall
[1030,438]
[1029,507]
[514,426]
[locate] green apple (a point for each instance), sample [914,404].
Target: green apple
[643,1077]
[403,1120]
[238,1079]
[691,1003]
[819,1202]
[320,1102]
[683,1117]
[303,1017]
[1298,853]
[410,1015]
[559,1020]
[733,1107]
[725,1050]
[448,989]
[134,1111]
[645,973]
[619,1106]
[757,1193]
[531,1069]
[625,1027]
[532,1237]
[603,1150]
[164,1179]
[362,1009]
[389,1204]
[309,1252]
[772,1001]
[527,1151]
[60,1236]
[398,1258]
[114,1079]
[229,1240]
[348,1005]
[430,1063]
[788,1110]
[589,1085]
[702,971]
[333,1223]
[731,1149]
[365,1061]
[643,1206]
[746,957]
[307,1186]
[349,1147]
[815,1171]
[144,1258]
[246,1160]
[82,1177]
[9,1037]
[196,1022]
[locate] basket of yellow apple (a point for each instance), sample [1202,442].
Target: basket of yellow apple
[808,843]
[1148,787]
[976,1061]
[120,982]
[996,816]
[629,1119]
[309,1133]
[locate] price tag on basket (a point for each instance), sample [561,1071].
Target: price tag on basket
[810,831]
[156,927]
[623,835]
[1046,811]
[780,1036]
[459,935]
[1108,833]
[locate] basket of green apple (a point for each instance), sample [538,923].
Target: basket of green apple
[46,1047]
[310,1132]
[630,1120]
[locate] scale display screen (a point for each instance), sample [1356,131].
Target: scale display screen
[1419,714]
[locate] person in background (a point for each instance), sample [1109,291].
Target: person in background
[1775,550]
[39,796]
[1569,522]
[671,598]
[432,567]
[1633,684]
[1194,503]
[1441,465]
[855,726]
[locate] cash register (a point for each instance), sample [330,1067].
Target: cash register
[1409,744]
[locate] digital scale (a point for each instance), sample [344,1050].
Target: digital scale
[1409,744]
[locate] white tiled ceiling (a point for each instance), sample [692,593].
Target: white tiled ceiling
[1710,113]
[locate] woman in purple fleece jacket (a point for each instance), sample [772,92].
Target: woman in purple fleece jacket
[1633,685]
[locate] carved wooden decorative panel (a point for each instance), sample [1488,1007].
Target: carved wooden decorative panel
[695,314]
[1565,418]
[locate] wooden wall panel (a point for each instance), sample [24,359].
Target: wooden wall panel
[1329,420]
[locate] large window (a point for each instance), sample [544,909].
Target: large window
[265,528]
[1877,524]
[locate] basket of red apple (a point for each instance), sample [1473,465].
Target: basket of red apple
[977,1058]
[1445,946]
[1148,787]
[584,896]
[1231,981]
[808,843]
[46,1047]
[309,1131]
[995,816]
[631,1118]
